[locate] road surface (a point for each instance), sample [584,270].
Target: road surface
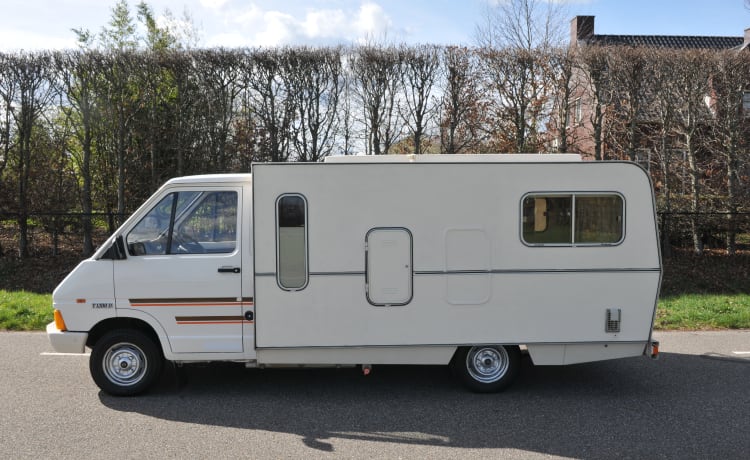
[694,402]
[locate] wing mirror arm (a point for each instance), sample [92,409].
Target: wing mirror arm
[116,250]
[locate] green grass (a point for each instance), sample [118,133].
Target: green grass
[24,311]
[704,311]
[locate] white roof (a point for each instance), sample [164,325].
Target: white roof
[460,158]
[208,178]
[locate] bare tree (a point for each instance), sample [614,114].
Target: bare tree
[186,106]
[693,71]
[522,24]
[377,71]
[419,74]
[315,84]
[345,113]
[598,92]
[563,67]
[271,101]
[220,75]
[76,76]
[33,74]
[662,109]
[627,68]
[462,126]
[8,90]
[517,38]
[730,129]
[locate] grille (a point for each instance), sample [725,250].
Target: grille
[613,320]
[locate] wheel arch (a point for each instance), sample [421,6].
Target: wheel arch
[156,333]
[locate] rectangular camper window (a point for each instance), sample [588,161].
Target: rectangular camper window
[291,242]
[547,219]
[598,219]
[574,219]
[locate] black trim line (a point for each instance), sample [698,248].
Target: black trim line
[466,344]
[493,272]
[534,270]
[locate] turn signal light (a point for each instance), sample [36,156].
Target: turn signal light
[59,322]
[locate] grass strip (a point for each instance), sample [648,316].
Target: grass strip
[703,311]
[24,311]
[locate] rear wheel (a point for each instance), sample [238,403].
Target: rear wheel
[487,368]
[125,362]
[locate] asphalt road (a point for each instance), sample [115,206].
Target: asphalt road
[692,403]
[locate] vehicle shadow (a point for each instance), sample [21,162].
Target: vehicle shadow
[683,406]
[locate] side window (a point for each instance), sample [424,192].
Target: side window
[576,219]
[149,237]
[547,220]
[291,242]
[209,226]
[189,222]
[599,219]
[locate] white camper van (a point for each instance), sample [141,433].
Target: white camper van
[445,259]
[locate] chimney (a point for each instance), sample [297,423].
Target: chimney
[582,28]
[747,37]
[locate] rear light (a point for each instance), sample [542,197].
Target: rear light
[59,321]
[654,349]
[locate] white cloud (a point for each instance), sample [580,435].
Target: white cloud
[17,40]
[372,21]
[213,4]
[254,26]
[325,23]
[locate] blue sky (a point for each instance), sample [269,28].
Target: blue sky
[46,24]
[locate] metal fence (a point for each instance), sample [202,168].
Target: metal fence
[53,233]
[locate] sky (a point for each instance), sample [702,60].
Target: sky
[46,24]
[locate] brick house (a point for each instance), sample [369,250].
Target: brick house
[697,156]
[582,34]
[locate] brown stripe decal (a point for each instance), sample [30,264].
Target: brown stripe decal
[211,320]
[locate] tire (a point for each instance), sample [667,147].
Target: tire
[487,368]
[125,362]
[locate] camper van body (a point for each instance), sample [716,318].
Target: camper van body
[405,260]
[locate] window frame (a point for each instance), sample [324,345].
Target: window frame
[183,214]
[573,195]
[278,240]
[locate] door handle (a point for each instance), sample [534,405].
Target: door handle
[229,269]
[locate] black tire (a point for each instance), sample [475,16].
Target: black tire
[487,368]
[125,362]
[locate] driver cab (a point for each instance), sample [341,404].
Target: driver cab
[183,269]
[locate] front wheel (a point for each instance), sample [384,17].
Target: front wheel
[487,368]
[125,362]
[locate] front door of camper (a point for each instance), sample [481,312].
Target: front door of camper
[183,268]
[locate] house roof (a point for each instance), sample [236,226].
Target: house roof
[582,32]
[666,41]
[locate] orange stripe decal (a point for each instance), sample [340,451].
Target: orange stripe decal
[193,302]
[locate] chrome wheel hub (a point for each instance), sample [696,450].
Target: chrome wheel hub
[487,364]
[124,364]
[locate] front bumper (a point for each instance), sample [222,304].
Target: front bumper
[66,341]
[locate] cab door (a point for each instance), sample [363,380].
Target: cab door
[184,269]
